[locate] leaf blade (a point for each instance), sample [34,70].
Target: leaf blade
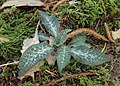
[59,40]
[51,23]
[43,36]
[88,56]
[79,40]
[63,57]
[32,55]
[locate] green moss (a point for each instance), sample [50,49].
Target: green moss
[101,77]
[28,84]
[15,25]
[88,12]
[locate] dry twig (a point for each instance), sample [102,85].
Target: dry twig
[34,15]
[58,4]
[86,30]
[42,28]
[109,33]
[104,47]
[48,5]
[54,82]
[51,73]
[16,62]
[97,24]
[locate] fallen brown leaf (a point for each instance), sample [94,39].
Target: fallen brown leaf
[116,34]
[30,41]
[34,69]
[19,3]
[51,58]
[2,40]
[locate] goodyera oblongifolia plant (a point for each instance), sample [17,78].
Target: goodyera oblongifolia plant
[76,48]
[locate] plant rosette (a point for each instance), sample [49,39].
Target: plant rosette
[76,48]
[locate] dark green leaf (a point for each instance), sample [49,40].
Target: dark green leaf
[66,31]
[79,40]
[63,57]
[88,56]
[51,23]
[62,37]
[32,55]
[43,36]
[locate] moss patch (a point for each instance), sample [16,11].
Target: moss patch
[15,25]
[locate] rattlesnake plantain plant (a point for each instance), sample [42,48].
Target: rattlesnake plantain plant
[76,48]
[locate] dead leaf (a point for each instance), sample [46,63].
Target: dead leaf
[2,40]
[19,3]
[51,58]
[26,44]
[30,41]
[35,68]
[36,38]
[51,40]
[116,34]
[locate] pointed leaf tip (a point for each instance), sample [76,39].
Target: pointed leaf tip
[43,36]
[62,37]
[79,40]
[51,23]
[88,56]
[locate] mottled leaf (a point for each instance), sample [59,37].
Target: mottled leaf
[66,31]
[51,23]
[62,37]
[79,40]
[43,36]
[63,57]
[88,56]
[32,55]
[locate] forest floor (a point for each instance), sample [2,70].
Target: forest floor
[19,23]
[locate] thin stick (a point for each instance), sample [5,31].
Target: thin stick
[48,5]
[97,24]
[38,25]
[42,28]
[104,47]
[52,74]
[32,17]
[16,62]
[86,30]
[51,3]
[54,82]
[58,4]
[109,33]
